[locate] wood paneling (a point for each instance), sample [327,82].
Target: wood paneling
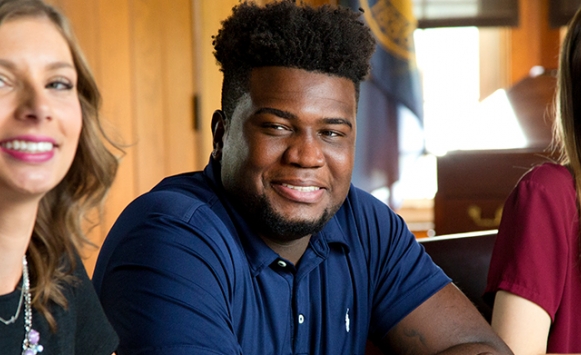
[115,81]
[141,52]
[208,16]
[533,42]
[179,88]
[148,84]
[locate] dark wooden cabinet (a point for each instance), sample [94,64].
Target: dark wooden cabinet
[473,186]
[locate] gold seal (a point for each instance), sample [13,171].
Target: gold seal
[392,23]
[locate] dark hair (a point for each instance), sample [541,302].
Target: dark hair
[326,39]
[62,213]
[568,102]
[568,121]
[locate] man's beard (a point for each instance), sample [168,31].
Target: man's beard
[270,224]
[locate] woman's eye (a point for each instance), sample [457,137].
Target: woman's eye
[3,82]
[60,85]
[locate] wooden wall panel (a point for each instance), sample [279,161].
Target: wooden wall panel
[81,15]
[533,42]
[141,52]
[494,63]
[207,18]
[148,80]
[113,76]
[178,62]
[115,81]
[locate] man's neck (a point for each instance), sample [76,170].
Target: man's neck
[289,250]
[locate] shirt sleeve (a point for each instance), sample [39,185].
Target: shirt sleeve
[532,248]
[403,274]
[165,285]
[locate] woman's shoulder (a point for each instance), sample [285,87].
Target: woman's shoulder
[548,182]
[549,175]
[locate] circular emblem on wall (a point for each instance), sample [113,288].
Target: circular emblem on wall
[392,23]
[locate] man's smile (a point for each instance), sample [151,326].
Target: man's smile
[303,194]
[302,188]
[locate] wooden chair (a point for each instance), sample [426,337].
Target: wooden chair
[465,258]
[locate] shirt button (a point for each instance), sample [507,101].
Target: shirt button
[281,263]
[301,319]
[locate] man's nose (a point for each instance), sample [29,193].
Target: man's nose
[305,151]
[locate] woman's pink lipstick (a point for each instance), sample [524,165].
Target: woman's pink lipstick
[29,149]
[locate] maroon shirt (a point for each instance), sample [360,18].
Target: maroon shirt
[536,255]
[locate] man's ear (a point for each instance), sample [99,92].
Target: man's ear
[218,131]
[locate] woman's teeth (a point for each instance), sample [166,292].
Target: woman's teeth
[28,147]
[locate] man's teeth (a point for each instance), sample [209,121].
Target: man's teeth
[302,188]
[28,147]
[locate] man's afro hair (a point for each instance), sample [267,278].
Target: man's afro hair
[325,39]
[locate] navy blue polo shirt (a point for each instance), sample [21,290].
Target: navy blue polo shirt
[182,273]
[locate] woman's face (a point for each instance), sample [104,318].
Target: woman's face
[40,112]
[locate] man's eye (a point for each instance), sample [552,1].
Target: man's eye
[276,127]
[330,133]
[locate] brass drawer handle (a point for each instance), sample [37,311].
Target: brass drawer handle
[475,214]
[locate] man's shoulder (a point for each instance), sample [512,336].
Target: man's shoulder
[179,195]
[182,212]
[365,215]
[187,203]
[189,186]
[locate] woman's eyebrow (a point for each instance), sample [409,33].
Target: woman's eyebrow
[60,64]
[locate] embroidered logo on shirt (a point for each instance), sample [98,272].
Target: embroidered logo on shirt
[347,320]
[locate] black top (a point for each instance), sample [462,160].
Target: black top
[81,329]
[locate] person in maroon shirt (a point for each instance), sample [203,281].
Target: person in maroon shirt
[535,272]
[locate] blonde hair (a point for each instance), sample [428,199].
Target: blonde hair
[58,232]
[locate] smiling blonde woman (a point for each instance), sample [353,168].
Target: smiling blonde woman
[53,169]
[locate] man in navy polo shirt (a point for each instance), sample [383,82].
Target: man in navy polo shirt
[270,249]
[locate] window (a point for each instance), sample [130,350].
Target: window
[463,72]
